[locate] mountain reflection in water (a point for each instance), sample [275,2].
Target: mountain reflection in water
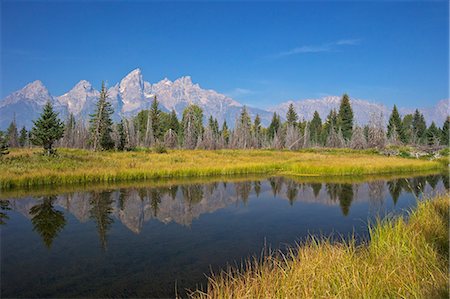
[224,221]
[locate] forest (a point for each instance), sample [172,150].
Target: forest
[159,130]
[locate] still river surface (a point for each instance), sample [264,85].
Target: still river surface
[160,239]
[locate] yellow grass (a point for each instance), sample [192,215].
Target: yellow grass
[27,167]
[403,259]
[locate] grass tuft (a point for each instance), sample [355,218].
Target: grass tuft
[403,259]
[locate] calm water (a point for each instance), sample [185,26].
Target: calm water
[149,242]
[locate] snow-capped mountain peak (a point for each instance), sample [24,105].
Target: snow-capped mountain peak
[132,94]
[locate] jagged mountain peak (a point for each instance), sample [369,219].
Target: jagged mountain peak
[132,94]
[83,84]
[34,88]
[185,80]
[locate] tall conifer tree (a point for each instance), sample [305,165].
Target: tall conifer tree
[395,123]
[345,118]
[47,129]
[101,123]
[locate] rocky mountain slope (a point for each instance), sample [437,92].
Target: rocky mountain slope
[133,94]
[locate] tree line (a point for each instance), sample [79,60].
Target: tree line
[160,130]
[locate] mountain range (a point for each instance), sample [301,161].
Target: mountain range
[133,94]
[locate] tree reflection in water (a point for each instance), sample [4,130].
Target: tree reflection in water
[47,221]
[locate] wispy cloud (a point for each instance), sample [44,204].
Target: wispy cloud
[348,42]
[327,47]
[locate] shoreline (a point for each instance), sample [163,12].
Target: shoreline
[27,168]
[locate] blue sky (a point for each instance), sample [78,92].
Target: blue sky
[260,53]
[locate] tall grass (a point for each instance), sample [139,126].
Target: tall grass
[403,259]
[27,167]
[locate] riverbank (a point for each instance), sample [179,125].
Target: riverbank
[403,259]
[27,167]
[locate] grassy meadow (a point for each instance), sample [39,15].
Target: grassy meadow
[28,167]
[403,259]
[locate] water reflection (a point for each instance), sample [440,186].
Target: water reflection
[146,242]
[182,204]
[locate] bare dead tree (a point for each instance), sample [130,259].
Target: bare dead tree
[293,138]
[358,140]
[376,135]
[170,139]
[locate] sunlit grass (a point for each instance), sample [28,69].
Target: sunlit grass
[27,167]
[403,259]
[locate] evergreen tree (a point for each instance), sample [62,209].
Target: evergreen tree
[433,135]
[329,125]
[23,137]
[243,130]
[345,118]
[213,126]
[291,116]
[315,128]
[274,126]
[257,131]
[155,117]
[4,147]
[192,126]
[13,134]
[395,123]
[121,144]
[419,127]
[407,128]
[174,124]
[225,132]
[445,132]
[47,129]
[101,123]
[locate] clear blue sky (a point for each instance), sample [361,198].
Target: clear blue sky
[260,53]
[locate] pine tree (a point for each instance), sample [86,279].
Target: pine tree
[214,127]
[274,126]
[47,129]
[329,125]
[192,126]
[395,123]
[174,124]
[345,118]
[291,115]
[407,128]
[445,132]
[242,132]
[121,144]
[23,137]
[155,117]
[257,131]
[4,147]
[315,128]
[419,127]
[101,123]
[433,135]
[13,134]
[225,133]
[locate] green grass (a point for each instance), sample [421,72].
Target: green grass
[403,259]
[27,167]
